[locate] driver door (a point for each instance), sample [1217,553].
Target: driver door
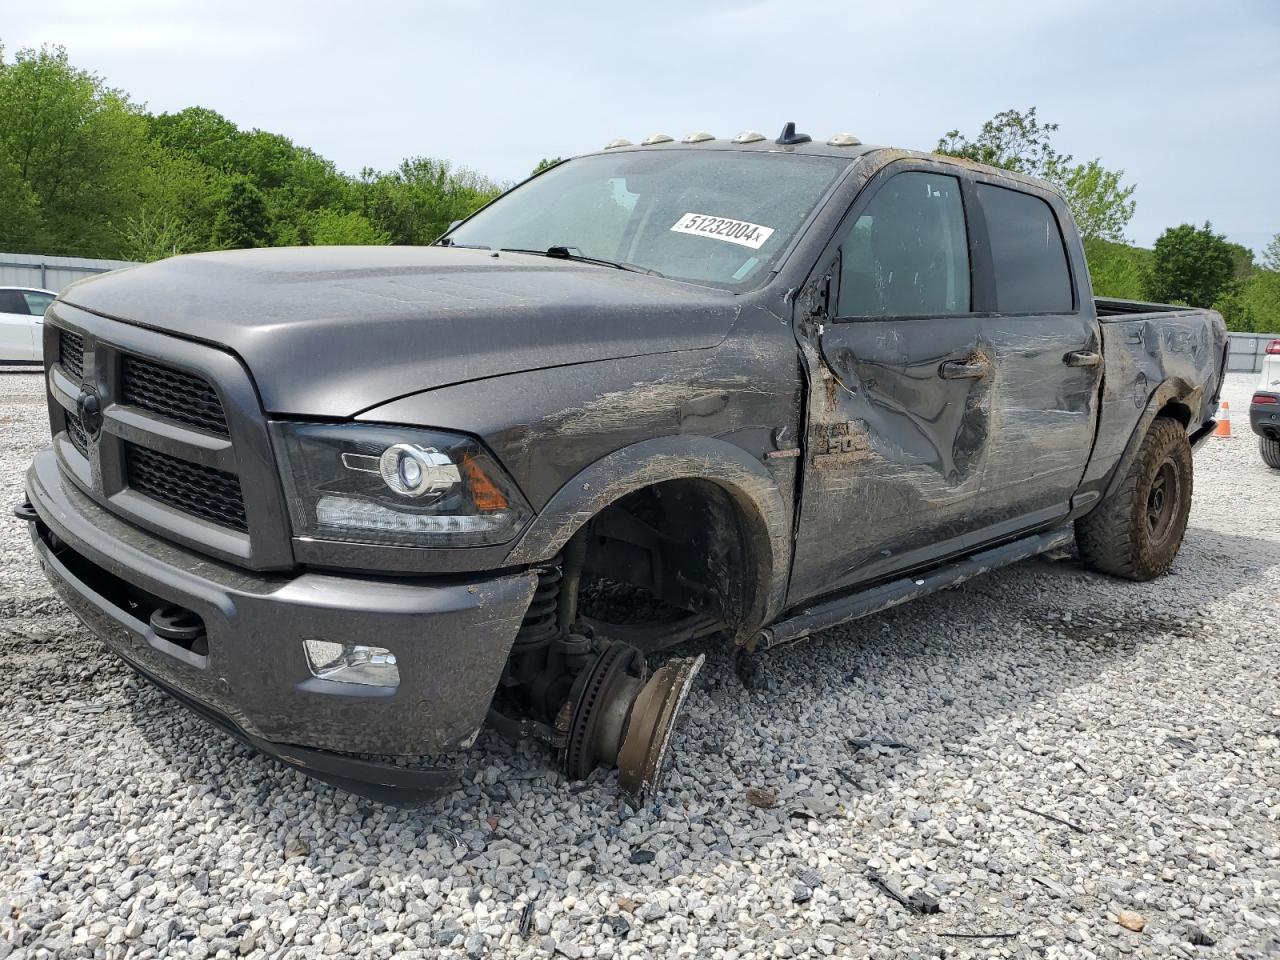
[897,433]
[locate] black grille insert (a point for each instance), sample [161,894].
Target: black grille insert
[171,393]
[75,432]
[71,354]
[209,494]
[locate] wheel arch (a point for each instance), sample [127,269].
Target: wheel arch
[1175,398]
[763,513]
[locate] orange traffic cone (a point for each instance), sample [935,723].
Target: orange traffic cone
[1224,420]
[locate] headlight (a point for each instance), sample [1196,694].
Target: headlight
[395,485]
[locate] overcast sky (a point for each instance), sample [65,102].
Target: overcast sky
[1184,96]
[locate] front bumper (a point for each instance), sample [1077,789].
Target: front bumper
[1264,418]
[450,635]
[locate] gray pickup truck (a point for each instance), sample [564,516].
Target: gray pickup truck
[355,504]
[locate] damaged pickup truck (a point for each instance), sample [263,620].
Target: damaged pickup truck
[355,504]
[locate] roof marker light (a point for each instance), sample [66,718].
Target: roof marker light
[748,136]
[844,140]
[653,138]
[620,142]
[698,136]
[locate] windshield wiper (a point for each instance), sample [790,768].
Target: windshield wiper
[446,242]
[562,252]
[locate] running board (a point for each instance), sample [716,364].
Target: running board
[855,606]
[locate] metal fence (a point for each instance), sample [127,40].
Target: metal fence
[50,273]
[1247,351]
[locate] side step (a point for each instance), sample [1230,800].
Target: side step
[855,606]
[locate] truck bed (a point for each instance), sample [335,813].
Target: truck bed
[1112,309]
[1145,345]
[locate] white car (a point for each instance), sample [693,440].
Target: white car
[1271,368]
[1264,409]
[21,323]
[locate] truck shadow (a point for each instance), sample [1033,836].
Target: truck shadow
[931,675]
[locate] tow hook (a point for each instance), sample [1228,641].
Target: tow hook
[619,715]
[25,511]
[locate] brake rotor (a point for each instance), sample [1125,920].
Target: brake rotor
[600,710]
[643,754]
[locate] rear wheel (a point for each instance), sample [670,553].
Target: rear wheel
[1270,452]
[1136,532]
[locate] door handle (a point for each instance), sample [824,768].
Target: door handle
[1082,358]
[974,368]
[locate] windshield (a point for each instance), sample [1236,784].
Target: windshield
[716,217]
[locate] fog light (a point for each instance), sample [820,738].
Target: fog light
[352,663]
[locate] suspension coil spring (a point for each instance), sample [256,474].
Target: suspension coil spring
[539,626]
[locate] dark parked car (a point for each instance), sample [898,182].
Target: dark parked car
[365,501]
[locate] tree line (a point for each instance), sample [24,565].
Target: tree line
[85,171]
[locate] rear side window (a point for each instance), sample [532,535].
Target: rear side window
[1027,252]
[37,303]
[908,253]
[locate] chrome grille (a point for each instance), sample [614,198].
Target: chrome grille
[209,494]
[171,393]
[71,354]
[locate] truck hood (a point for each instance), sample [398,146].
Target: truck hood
[332,331]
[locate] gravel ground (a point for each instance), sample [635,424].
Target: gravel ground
[1076,753]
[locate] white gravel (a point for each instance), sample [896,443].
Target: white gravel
[1145,716]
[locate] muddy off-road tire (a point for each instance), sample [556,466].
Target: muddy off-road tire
[1270,448]
[1136,532]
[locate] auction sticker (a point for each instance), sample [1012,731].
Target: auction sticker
[733,231]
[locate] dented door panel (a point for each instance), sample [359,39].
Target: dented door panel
[895,449]
[1043,413]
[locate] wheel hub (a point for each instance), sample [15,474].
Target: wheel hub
[620,716]
[1162,501]
[609,686]
[645,745]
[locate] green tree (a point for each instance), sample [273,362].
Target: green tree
[148,237]
[242,219]
[199,133]
[1242,265]
[74,143]
[546,164]
[1190,265]
[21,222]
[415,203]
[1271,254]
[1100,203]
[329,227]
[1116,269]
[1261,295]
[1252,305]
[1012,140]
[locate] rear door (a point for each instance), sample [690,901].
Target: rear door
[900,386]
[1045,351]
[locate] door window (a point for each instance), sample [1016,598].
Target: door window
[37,302]
[908,252]
[11,301]
[1027,252]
